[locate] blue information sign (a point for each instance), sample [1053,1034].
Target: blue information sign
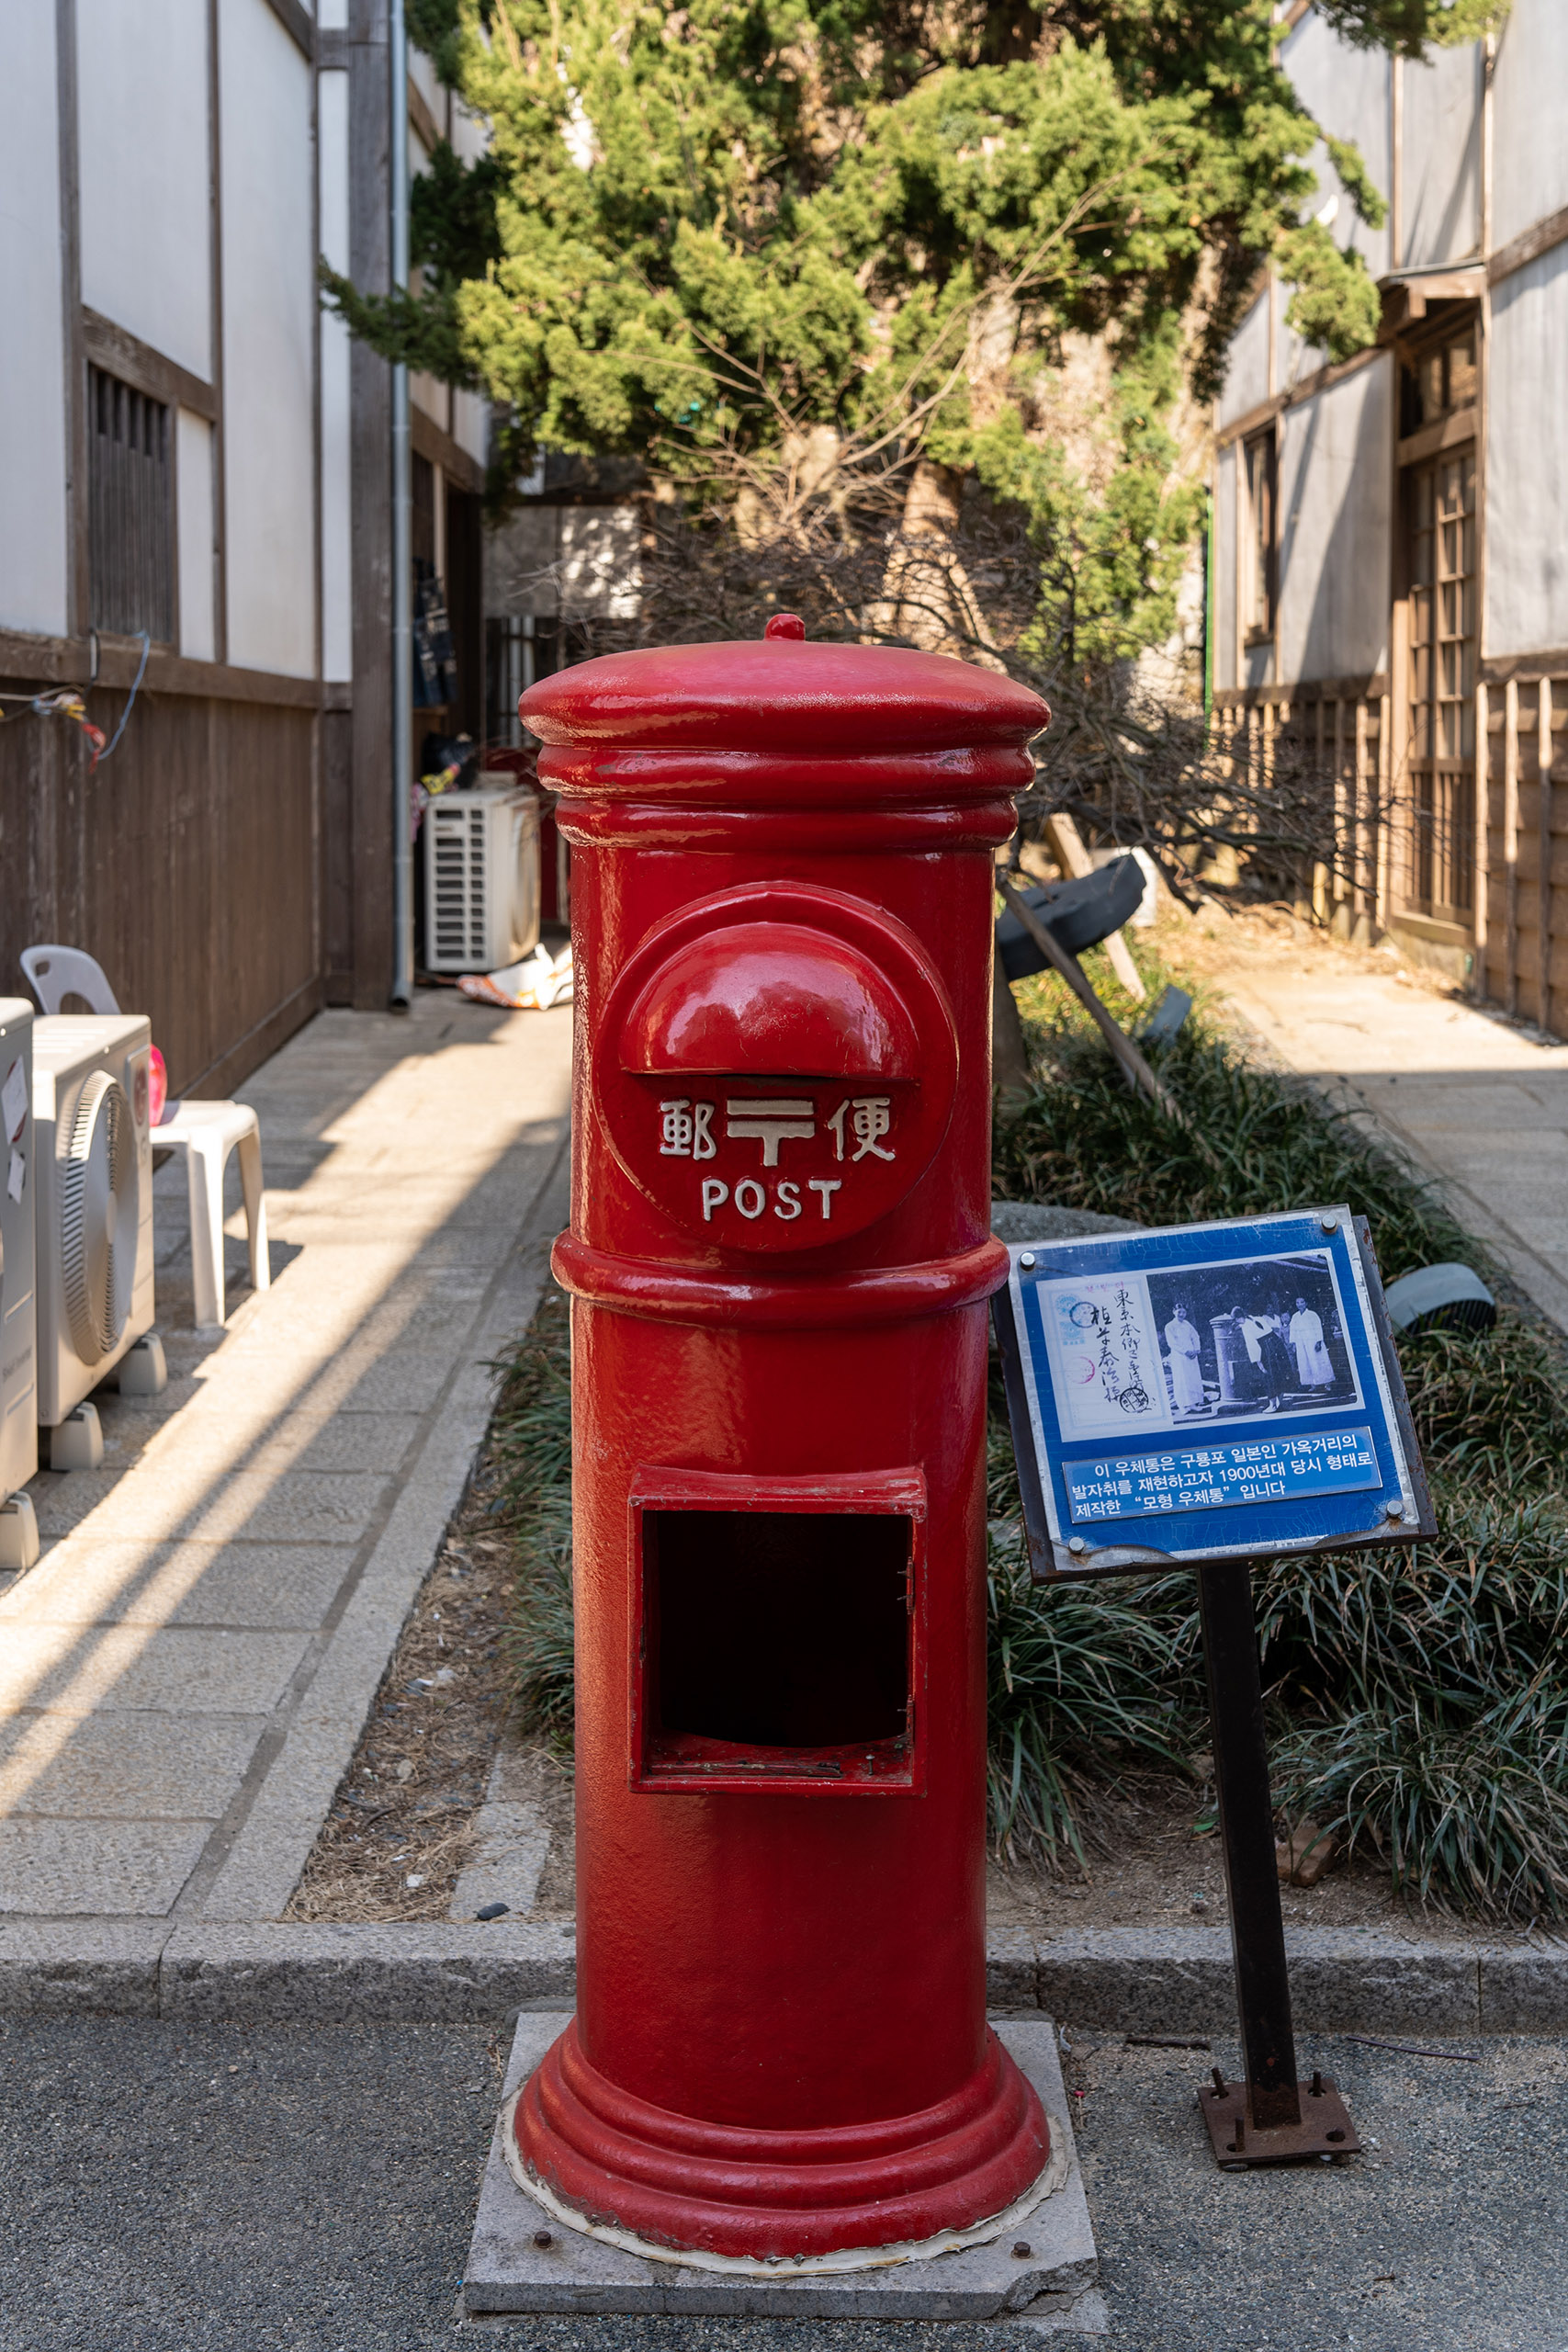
[1158,1380]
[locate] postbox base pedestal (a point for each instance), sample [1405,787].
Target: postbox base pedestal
[510,2270]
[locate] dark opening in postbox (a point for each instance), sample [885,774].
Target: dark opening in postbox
[780,1262]
[781,1642]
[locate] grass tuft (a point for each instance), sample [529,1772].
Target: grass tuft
[531,1438]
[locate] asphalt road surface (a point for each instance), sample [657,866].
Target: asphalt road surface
[219,2189]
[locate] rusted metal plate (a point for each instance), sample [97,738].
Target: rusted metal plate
[1325,2130]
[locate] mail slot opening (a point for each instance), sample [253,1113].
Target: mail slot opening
[778,1633]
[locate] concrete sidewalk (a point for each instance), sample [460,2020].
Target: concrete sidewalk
[184,1673]
[1480,1101]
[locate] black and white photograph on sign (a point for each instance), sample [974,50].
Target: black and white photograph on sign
[1238,1340]
[1252,1337]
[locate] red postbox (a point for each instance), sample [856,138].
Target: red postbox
[780,1259]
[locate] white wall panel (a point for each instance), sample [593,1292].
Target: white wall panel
[32,350]
[143,111]
[1348,90]
[1223,559]
[1529,106]
[269,319]
[193,490]
[471,424]
[1246,377]
[337,468]
[1527,461]
[1441,177]
[1335,459]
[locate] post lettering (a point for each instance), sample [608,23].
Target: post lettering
[716,1191]
[788,1205]
[827,1186]
[754,1205]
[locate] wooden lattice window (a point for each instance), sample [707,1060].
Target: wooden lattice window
[131,507]
[1442,684]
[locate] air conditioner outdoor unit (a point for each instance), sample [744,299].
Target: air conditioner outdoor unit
[481,852]
[92,1206]
[18,1327]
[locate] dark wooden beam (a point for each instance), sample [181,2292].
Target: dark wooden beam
[1319,382]
[48,661]
[122,354]
[436,445]
[297,23]
[1527,246]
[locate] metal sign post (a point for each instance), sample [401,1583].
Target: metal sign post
[1266,2118]
[1213,1394]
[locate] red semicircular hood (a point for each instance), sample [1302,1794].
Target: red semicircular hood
[774,999]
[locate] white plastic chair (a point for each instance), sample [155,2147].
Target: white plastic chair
[204,1134]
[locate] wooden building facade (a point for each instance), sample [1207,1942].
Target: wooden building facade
[1389,589]
[196,485]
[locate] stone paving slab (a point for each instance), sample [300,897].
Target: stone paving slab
[97,1869]
[1482,1102]
[138,1582]
[186,1670]
[127,1767]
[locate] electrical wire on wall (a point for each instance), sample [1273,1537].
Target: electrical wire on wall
[65,702]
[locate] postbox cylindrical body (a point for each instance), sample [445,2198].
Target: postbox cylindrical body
[780,1260]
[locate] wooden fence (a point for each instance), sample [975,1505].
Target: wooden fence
[1336,728]
[187,863]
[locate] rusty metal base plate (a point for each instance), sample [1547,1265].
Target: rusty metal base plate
[1325,2130]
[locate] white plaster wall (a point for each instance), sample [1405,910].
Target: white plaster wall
[33,350]
[470,134]
[193,496]
[269,321]
[1529,106]
[142,115]
[1223,559]
[337,467]
[1246,377]
[1348,91]
[423,74]
[1336,456]
[1440,179]
[471,424]
[1527,461]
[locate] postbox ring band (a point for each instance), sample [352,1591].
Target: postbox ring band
[846,828]
[663,1293]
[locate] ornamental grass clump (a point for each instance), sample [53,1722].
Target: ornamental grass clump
[1418,1699]
[531,1440]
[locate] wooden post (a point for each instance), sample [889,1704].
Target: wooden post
[1344,833]
[1129,1061]
[1511,839]
[1482,882]
[1544,836]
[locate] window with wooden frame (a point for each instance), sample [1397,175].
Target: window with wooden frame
[1438,380]
[1255,537]
[1440,522]
[130,509]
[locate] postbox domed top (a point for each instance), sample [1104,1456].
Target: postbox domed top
[784,696]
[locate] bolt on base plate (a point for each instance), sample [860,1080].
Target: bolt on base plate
[1325,2130]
